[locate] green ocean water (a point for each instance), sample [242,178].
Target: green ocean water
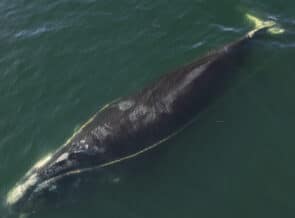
[60,61]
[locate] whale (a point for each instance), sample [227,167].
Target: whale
[130,126]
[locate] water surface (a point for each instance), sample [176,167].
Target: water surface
[60,61]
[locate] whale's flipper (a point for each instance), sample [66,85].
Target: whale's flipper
[270,26]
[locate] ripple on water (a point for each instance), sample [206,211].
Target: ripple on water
[34,32]
[224,28]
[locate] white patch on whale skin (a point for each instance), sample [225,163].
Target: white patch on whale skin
[139,112]
[52,188]
[125,105]
[20,189]
[42,186]
[63,157]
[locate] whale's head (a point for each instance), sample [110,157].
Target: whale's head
[49,173]
[24,190]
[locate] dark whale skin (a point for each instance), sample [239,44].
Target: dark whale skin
[133,124]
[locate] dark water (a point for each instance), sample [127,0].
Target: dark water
[60,61]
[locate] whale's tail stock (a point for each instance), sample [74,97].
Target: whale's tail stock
[269,26]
